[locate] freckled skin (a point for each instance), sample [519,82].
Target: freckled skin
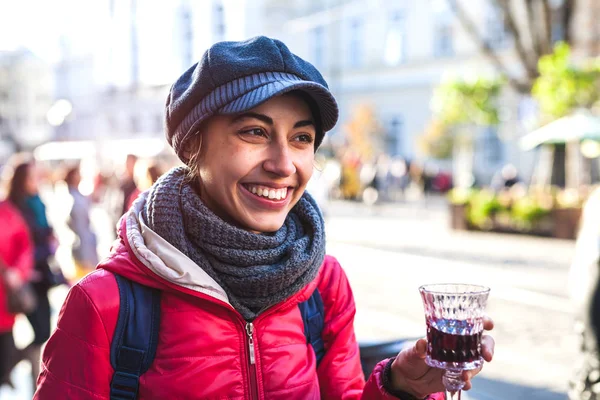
[249,151]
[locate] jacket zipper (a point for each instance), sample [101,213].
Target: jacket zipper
[252,360]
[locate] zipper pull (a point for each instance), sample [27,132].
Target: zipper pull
[249,332]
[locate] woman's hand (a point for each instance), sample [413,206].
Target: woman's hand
[12,278]
[410,373]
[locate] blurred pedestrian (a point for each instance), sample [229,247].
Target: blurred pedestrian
[506,178]
[84,251]
[145,175]
[584,285]
[128,181]
[234,247]
[23,194]
[16,265]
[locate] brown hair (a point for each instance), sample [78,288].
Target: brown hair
[194,148]
[70,175]
[16,184]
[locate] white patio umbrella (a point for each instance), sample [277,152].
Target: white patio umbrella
[576,127]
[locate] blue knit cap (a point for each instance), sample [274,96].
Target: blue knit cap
[234,77]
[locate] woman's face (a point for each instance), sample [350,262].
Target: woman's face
[254,166]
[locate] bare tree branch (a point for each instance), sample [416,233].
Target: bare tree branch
[567,19]
[529,64]
[469,26]
[532,24]
[546,32]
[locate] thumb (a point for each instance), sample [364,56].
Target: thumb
[411,361]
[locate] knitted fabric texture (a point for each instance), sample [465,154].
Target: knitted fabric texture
[256,270]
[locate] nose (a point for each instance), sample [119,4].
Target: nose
[280,160]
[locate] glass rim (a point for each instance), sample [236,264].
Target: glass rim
[477,289]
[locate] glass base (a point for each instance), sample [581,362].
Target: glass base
[454,366]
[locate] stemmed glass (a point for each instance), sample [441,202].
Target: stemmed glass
[454,316]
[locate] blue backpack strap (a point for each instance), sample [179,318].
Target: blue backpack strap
[313,316]
[134,343]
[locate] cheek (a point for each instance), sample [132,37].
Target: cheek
[224,169]
[305,168]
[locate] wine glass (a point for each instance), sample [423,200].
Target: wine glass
[454,316]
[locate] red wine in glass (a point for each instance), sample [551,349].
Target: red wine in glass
[453,341]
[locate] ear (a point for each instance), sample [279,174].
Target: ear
[193,149]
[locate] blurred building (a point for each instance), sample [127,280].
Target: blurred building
[26,87]
[118,83]
[391,54]
[118,63]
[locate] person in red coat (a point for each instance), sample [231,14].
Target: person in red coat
[16,256]
[233,243]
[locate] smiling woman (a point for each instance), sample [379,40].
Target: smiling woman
[244,303]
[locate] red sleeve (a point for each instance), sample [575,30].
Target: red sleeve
[340,371]
[76,360]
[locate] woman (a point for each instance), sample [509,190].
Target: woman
[234,245]
[584,288]
[23,194]
[16,263]
[84,251]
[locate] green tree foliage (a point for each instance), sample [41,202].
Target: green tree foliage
[458,104]
[563,86]
[462,102]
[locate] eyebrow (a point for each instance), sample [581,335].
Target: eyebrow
[268,120]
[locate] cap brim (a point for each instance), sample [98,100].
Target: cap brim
[324,100]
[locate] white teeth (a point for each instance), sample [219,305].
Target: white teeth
[273,194]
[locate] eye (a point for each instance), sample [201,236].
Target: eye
[304,138]
[253,132]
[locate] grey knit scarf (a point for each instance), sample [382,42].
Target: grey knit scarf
[255,270]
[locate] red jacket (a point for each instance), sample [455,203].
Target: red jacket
[203,348]
[16,250]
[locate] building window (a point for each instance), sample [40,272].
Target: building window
[318,46]
[356,46]
[496,32]
[395,46]
[492,146]
[443,38]
[394,136]
[219,22]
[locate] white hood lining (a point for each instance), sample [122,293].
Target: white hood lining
[164,259]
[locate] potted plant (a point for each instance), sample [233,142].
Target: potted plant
[459,200]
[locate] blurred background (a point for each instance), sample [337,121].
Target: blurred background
[467,150]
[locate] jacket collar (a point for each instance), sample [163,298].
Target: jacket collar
[154,262]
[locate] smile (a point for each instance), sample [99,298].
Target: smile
[267,192]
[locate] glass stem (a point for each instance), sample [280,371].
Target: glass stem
[453,383]
[453,395]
